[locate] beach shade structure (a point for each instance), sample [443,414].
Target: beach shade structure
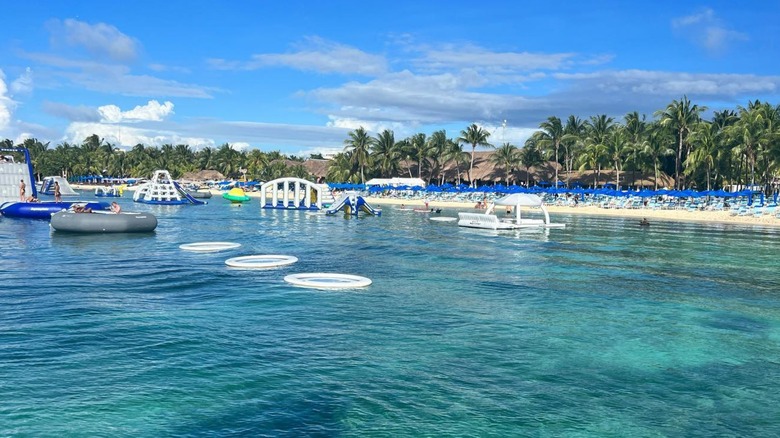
[645,193]
[720,193]
[432,188]
[377,189]
[544,184]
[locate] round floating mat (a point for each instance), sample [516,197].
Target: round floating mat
[209,246]
[328,281]
[444,219]
[261,261]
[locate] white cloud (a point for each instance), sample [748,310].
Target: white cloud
[670,84]
[152,111]
[371,126]
[71,113]
[24,83]
[409,98]
[114,78]
[6,105]
[705,29]
[240,146]
[22,137]
[470,56]
[706,15]
[326,152]
[129,136]
[316,54]
[101,40]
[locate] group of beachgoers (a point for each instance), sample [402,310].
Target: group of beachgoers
[23,193]
[77,208]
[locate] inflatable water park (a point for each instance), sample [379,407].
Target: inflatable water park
[293,193]
[300,194]
[352,204]
[163,190]
[236,195]
[48,184]
[85,221]
[16,172]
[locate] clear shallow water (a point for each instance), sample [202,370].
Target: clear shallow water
[602,329]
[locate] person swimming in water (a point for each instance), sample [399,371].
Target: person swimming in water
[644,222]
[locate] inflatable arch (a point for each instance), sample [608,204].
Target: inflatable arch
[291,193]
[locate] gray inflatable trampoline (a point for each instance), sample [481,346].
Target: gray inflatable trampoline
[103,222]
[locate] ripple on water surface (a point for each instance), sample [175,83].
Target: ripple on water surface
[603,328]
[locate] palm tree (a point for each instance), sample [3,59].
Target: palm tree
[552,133]
[357,145]
[37,154]
[704,137]
[475,136]
[636,128]
[593,157]
[680,116]
[228,160]
[418,150]
[573,138]
[256,163]
[386,153]
[437,145]
[617,149]
[454,153]
[598,129]
[341,168]
[655,148]
[506,156]
[205,158]
[530,156]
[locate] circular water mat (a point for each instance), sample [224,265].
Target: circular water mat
[209,246]
[444,219]
[328,281]
[261,261]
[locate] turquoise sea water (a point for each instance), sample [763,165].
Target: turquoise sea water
[602,329]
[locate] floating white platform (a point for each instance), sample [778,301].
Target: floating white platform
[489,221]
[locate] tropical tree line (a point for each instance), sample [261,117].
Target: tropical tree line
[96,157]
[734,147]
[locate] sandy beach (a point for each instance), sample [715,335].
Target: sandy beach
[716,217]
[721,217]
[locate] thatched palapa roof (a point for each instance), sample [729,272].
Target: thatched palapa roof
[203,175]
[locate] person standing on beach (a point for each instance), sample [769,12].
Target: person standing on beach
[22,190]
[57,194]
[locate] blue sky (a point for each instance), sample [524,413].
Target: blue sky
[298,76]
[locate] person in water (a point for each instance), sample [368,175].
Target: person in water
[115,208]
[644,222]
[57,193]
[81,209]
